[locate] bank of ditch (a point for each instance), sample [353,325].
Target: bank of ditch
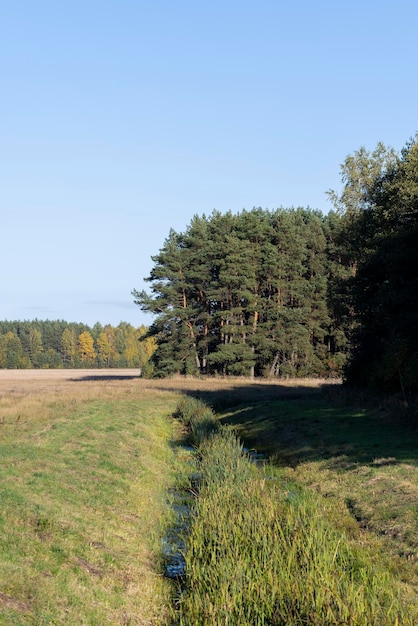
[260,549]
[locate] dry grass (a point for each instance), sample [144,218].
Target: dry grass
[24,392]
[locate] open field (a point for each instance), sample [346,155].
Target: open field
[29,392]
[88,382]
[86,462]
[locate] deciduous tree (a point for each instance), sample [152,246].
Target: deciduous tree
[385,287]
[86,350]
[69,346]
[14,351]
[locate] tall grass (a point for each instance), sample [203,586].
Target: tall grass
[360,452]
[198,419]
[262,552]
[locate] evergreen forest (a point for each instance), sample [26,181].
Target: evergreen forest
[294,292]
[59,344]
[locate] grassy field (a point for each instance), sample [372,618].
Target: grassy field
[264,549]
[360,454]
[85,467]
[87,459]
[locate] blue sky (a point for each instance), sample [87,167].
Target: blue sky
[120,120]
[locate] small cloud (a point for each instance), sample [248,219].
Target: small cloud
[40,311]
[119,304]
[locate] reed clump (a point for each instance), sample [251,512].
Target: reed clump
[199,419]
[264,552]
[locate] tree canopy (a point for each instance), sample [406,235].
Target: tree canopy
[59,344]
[384,288]
[293,292]
[283,292]
[245,294]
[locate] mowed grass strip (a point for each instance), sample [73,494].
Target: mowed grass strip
[83,488]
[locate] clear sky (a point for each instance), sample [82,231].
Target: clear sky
[122,119]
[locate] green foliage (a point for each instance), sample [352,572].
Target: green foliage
[197,417]
[244,294]
[293,293]
[359,174]
[384,288]
[14,350]
[58,344]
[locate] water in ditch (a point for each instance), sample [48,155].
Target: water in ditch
[174,542]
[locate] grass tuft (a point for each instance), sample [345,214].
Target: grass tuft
[198,419]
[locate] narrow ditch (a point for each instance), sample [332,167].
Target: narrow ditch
[181,502]
[174,543]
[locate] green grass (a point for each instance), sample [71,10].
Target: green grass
[83,507]
[327,532]
[360,454]
[264,549]
[198,420]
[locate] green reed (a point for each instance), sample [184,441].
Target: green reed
[198,418]
[261,552]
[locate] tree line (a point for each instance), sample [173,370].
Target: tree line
[284,292]
[60,344]
[294,292]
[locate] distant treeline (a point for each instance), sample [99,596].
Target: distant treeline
[293,292]
[60,344]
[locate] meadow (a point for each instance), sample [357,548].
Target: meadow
[265,548]
[88,459]
[86,463]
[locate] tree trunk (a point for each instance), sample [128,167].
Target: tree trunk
[272,372]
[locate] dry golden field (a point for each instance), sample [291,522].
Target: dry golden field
[52,377]
[24,389]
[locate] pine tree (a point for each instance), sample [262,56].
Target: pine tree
[242,294]
[174,328]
